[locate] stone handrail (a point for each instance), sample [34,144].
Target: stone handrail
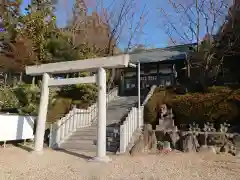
[149,95]
[131,124]
[76,118]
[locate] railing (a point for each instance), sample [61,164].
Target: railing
[76,118]
[130,125]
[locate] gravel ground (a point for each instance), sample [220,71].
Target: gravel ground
[19,164]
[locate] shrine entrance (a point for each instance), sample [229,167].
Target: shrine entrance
[97,64]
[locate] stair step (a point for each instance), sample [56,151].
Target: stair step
[83,148]
[79,141]
[92,142]
[80,137]
[89,147]
[85,133]
[91,128]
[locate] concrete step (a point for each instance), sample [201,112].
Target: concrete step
[88,147]
[92,142]
[77,137]
[84,133]
[94,133]
[87,129]
[80,141]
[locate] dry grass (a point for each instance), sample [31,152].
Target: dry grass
[16,163]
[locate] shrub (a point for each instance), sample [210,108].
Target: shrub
[218,105]
[28,96]
[59,109]
[82,95]
[8,98]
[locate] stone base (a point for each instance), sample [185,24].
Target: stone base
[207,149]
[104,159]
[37,152]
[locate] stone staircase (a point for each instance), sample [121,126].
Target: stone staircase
[85,139]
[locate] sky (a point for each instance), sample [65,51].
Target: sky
[155,23]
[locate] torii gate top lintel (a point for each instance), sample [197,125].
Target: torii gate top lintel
[119,61]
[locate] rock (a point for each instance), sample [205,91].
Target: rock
[216,140]
[160,135]
[190,143]
[224,149]
[228,148]
[174,138]
[138,147]
[207,149]
[147,133]
[153,141]
[237,154]
[236,142]
[201,139]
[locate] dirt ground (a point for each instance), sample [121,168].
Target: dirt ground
[19,164]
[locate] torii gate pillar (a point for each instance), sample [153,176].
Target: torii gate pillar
[42,114]
[102,115]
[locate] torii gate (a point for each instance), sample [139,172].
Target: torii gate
[99,64]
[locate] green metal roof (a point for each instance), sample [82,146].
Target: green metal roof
[160,54]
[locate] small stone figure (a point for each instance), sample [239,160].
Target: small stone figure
[163,108]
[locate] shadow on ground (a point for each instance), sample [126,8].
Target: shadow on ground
[79,155]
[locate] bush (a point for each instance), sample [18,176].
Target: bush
[23,97]
[82,95]
[218,105]
[8,98]
[59,109]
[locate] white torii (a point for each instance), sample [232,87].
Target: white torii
[120,61]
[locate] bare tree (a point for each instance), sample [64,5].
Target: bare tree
[126,25]
[193,21]
[125,21]
[119,22]
[188,21]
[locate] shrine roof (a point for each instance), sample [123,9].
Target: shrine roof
[161,54]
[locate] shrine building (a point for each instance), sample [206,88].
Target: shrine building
[160,66]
